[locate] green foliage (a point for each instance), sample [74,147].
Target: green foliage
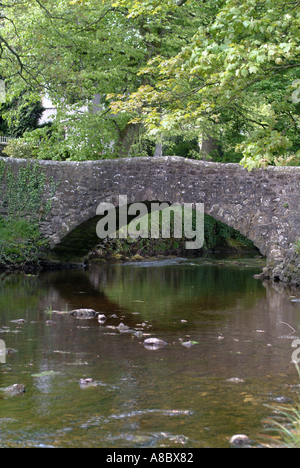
[20,148]
[226,69]
[20,242]
[297,247]
[20,237]
[86,49]
[24,192]
[181,145]
[2,170]
[215,232]
[22,114]
[237,80]
[289,429]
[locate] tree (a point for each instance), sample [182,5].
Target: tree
[22,115]
[77,50]
[237,80]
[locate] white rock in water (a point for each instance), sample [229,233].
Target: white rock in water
[122,326]
[16,389]
[187,344]
[83,313]
[235,380]
[155,342]
[86,381]
[239,440]
[101,317]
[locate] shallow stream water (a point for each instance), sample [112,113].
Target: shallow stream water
[239,365]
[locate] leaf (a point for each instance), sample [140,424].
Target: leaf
[253,69]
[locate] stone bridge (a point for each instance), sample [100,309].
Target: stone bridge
[263,205]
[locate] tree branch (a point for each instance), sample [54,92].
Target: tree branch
[12,51]
[22,67]
[49,14]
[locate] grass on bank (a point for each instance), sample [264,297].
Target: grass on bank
[20,242]
[289,431]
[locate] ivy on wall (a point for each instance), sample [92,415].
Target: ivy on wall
[24,204]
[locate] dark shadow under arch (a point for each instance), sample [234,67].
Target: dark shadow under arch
[81,240]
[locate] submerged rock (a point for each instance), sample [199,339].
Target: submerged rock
[138,334]
[50,323]
[122,327]
[9,351]
[282,399]
[259,276]
[86,383]
[235,380]
[83,314]
[187,344]
[16,389]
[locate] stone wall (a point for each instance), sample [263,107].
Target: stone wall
[263,204]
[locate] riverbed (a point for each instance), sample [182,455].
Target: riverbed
[227,360]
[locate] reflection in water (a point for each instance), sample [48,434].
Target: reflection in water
[175,396]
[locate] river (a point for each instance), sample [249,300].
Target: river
[238,366]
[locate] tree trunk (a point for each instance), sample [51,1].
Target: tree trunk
[158,150]
[210,148]
[126,139]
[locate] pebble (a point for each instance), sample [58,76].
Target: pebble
[16,389]
[83,313]
[85,381]
[122,326]
[282,399]
[154,343]
[49,323]
[239,440]
[235,380]
[187,344]
[102,318]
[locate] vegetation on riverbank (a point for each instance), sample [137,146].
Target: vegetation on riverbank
[23,208]
[289,429]
[20,243]
[290,432]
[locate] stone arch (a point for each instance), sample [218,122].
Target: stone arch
[83,238]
